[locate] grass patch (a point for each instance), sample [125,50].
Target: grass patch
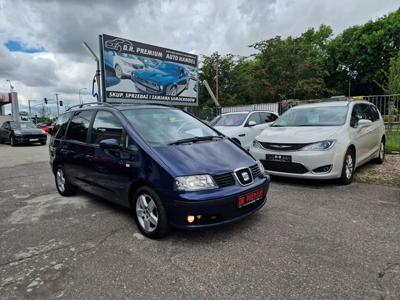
[393,141]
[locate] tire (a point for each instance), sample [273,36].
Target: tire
[43,143]
[118,72]
[13,142]
[381,155]
[1,141]
[149,213]
[64,187]
[348,167]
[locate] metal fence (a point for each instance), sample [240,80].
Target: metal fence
[274,107]
[389,107]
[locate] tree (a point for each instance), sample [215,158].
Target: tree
[293,67]
[364,49]
[393,85]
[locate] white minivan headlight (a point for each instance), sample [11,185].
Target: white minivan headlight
[195,183]
[323,145]
[257,144]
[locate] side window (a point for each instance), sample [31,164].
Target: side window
[130,145]
[61,125]
[267,117]
[106,126]
[79,125]
[356,115]
[366,112]
[254,117]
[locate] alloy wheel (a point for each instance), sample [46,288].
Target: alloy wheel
[349,166]
[147,212]
[118,71]
[60,180]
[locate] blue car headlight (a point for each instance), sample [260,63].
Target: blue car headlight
[318,146]
[195,183]
[261,167]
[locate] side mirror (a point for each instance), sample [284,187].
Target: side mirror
[109,144]
[364,123]
[251,123]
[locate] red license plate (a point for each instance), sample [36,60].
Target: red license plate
[250,198]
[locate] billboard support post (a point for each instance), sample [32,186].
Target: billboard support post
[101,71]
[97,76]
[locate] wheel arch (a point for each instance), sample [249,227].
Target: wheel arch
[134,187]
[353,148]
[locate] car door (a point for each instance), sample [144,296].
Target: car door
[75,149]
[373,130]
[111,170]
[251,131]
[359,135]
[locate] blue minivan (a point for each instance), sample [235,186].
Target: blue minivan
[170,168]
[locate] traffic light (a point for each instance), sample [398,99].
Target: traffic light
[45,100]
[61,103]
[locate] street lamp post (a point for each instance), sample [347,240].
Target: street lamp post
[80,100]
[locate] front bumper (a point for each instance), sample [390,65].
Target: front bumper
[215,212]
[304,163]
[20,139]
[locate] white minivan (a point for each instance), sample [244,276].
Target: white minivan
[322,140]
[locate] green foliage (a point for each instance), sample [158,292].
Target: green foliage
[312,65]
[393,85]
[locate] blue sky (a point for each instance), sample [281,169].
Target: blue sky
[18,46]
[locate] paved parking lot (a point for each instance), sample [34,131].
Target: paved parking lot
[312,240]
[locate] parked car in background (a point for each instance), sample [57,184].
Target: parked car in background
[21,133]
[322,141]
[243,127]
[169,167]
[45,127]
[122,63]
[165,79]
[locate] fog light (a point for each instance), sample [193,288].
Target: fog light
[190,219]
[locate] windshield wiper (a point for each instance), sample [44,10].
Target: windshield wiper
[196,139]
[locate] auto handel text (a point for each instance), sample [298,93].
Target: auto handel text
[151,97]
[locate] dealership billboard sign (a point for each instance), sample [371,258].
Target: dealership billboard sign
[135,72]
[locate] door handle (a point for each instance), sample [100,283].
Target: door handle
[242,135]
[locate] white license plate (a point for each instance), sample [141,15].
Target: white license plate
[33,140]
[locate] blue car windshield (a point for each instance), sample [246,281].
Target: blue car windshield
[313,116]
[163,126]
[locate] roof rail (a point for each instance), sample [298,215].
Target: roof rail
[88,104]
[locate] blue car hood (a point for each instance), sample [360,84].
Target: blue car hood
[210,157]
[156,76]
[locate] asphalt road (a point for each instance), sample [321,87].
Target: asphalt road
[311,241]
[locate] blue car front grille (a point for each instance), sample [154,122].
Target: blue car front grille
[224,180]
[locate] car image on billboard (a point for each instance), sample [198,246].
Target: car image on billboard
[141,72]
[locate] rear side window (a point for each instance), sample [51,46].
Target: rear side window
[373,112]
[106,126]
[267,117]
[79,126]
[61,125]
